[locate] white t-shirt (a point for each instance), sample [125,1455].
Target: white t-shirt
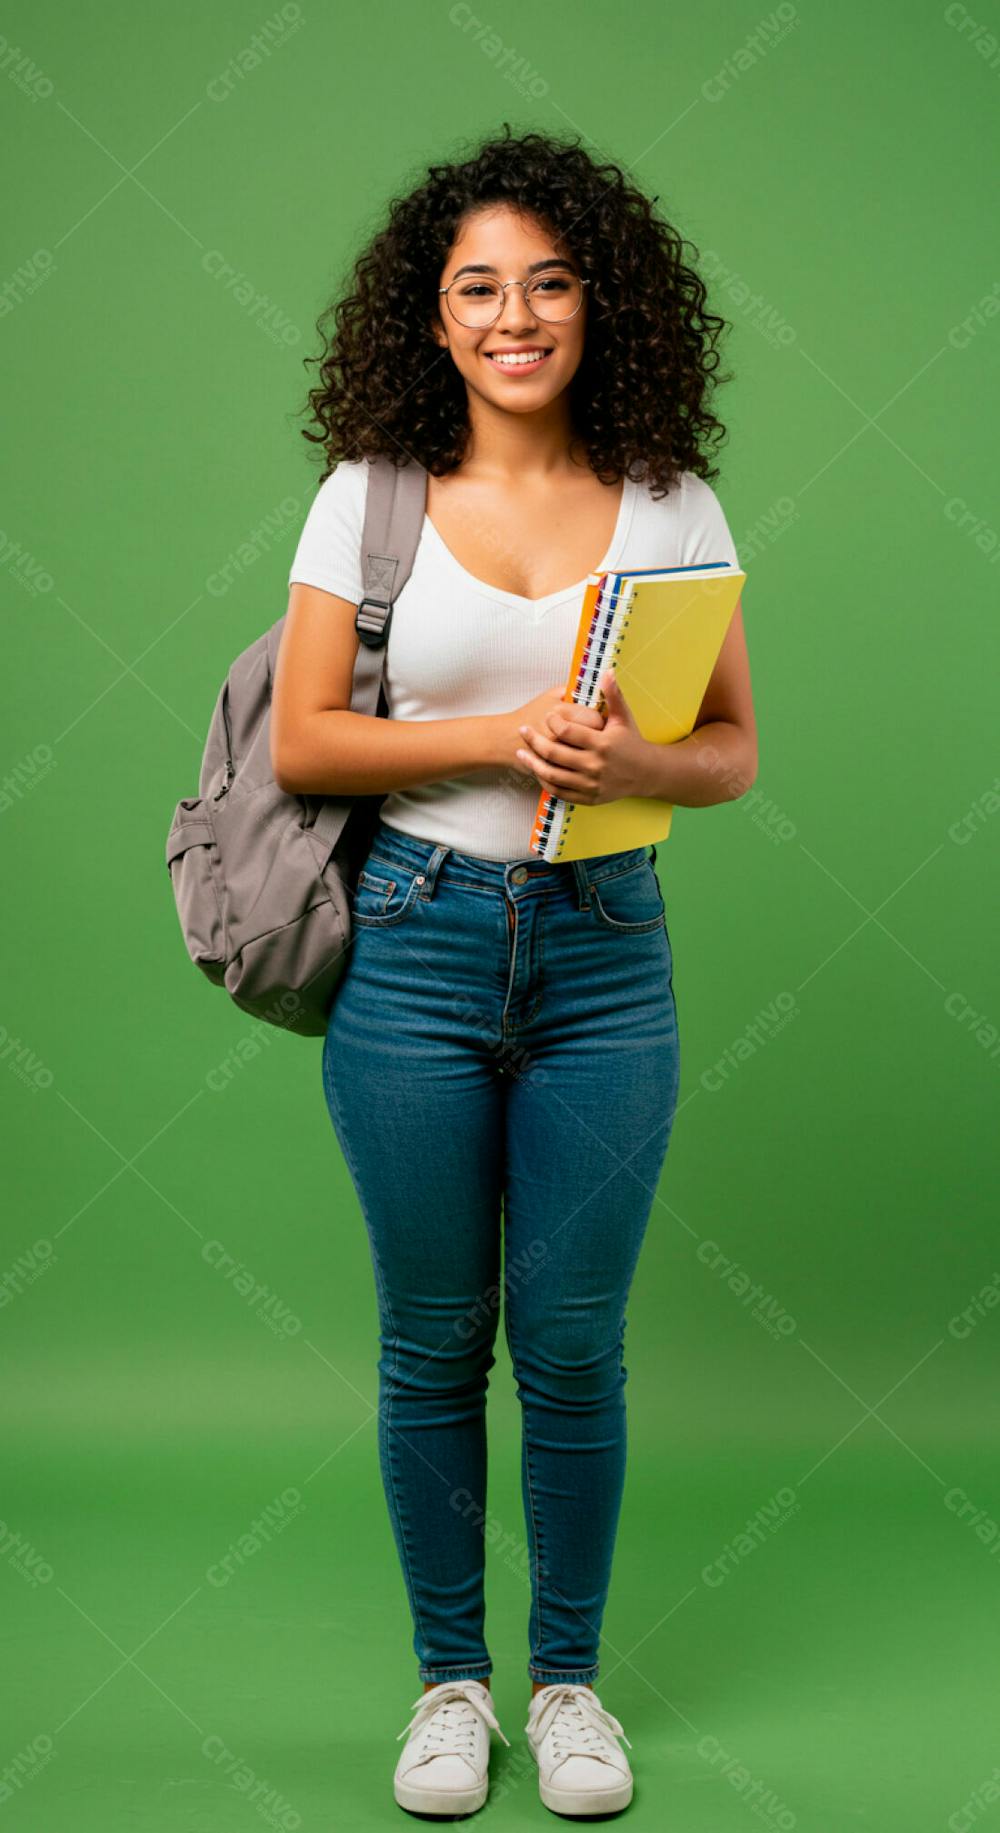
[459,647]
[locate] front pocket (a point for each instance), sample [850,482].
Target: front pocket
[385,897]
[195,874]
[629,902]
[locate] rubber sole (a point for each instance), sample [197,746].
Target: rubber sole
[440,1800]
[581,1803]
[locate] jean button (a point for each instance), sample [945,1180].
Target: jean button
[519,875]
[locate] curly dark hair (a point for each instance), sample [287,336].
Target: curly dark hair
[639,398]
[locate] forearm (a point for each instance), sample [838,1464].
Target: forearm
[716,763]
[356,754]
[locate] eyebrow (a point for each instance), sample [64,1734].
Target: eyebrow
[481,267]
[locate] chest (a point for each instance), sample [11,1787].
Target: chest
[458,646]
[530,542]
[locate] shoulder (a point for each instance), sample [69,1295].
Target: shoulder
[346,487]
[697,497]
[704,530]
[329,549]
[685,527]
[689,501]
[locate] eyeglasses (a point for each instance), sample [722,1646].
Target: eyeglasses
[480,300]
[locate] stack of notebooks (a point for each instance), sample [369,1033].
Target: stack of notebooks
[660,630]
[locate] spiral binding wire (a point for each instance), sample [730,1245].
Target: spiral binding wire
[606,603]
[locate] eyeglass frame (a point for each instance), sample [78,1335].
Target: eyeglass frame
[503,285]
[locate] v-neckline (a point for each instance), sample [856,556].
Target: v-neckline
[537,607]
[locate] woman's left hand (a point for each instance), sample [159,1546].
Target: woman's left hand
[583,762]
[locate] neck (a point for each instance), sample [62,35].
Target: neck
[519,449]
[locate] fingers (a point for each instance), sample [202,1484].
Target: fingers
[567,783]
[522,763]
[580,715]
[569,753]
[576,730]
[573,764]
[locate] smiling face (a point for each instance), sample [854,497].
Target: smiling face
[510,246]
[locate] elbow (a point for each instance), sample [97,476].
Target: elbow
[300,758]
[292,751]
[286,772]
[750,774]
[745,774]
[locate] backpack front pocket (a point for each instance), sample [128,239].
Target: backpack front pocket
[195,873]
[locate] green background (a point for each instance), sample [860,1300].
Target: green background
[837,178]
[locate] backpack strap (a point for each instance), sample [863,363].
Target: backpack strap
[394,511]
[395,505]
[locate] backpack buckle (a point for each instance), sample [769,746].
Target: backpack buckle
[372,620]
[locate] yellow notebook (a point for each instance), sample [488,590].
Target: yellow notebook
[660,630]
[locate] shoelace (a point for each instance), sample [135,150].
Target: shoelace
[447,1718]
[580,1724]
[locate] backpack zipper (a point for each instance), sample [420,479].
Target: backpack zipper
[230,766]
[230,773]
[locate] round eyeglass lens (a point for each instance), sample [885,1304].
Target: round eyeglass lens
[478,300]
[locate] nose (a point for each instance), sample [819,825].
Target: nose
[517,314]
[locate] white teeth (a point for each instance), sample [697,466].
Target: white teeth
[525,356]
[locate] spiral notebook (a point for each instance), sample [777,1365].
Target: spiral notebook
[660,629]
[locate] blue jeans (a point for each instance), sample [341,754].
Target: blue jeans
[503,1038]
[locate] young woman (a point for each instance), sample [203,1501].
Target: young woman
[502,1056]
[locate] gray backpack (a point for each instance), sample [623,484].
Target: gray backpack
[263,880]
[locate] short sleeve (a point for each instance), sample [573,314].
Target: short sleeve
[705,532]
[329,550]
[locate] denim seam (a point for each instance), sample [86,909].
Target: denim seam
[629,929]
[385,1416]
[429,1669]
[529,1017]
[395,1494]
[526,1018]
[603,876]
[461,884]
[526,1440]
[548,883]
[626,929]
[374,881]
[391,865]
[512,941]
[396,916]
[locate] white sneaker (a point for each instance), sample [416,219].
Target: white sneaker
[444,1764]
[582,1769]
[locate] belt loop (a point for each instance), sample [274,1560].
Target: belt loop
[582,887]
[431,870]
